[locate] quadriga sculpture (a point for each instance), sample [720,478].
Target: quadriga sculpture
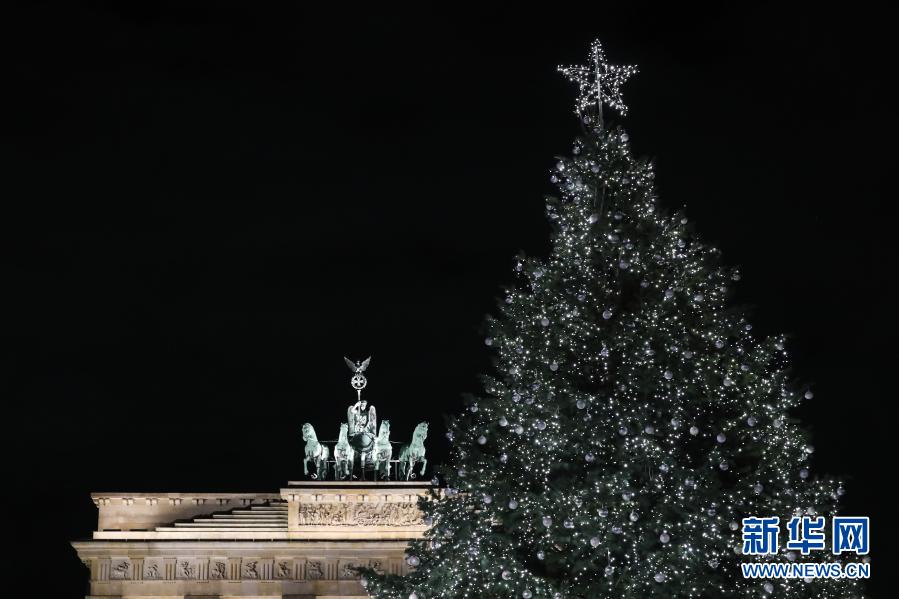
[414,452]
[383,451]
[316,454]
[343,455]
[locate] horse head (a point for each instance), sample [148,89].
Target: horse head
[421,431]
[384,431]
[309,433]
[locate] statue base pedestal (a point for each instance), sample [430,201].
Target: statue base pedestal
[300,542]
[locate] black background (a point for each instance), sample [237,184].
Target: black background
[208,206]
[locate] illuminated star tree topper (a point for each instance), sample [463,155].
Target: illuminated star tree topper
[598,83]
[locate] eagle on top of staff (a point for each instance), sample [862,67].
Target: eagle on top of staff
[357,366]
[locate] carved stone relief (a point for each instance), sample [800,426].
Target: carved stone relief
[315,570]
[359,514]
[250,569]
[218,569]
[152,569]
[185,569]
[120,569]
[345,572]
[284,569]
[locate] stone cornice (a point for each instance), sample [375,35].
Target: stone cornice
[98,547]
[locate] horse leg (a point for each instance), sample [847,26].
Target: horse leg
[305,466]
[424,464]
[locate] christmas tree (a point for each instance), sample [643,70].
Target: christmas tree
[634,418]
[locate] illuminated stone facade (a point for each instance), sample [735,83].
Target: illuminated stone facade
[300,543]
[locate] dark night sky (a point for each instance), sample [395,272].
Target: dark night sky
[206,208]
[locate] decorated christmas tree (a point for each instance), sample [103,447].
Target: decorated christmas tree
[634,418]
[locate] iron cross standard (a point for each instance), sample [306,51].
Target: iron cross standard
[358,381]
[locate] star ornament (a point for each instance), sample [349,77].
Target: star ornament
[598,82]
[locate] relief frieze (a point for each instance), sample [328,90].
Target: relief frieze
[359,514]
